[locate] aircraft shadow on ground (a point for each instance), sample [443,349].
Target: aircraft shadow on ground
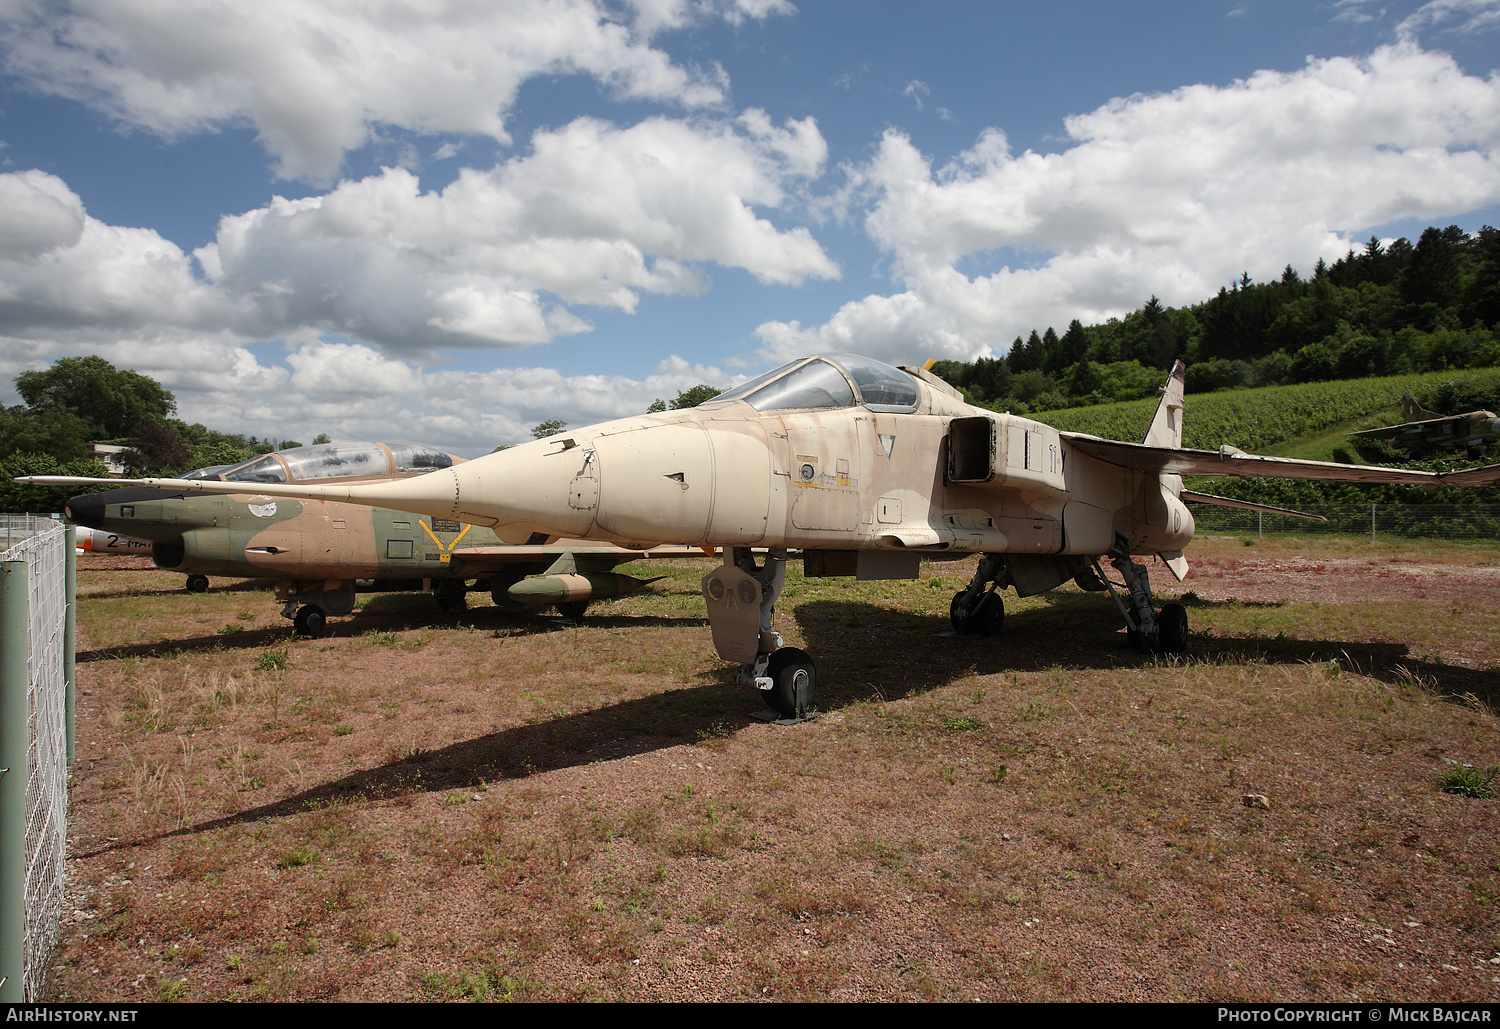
[713,709]
[489,619]
[863,652]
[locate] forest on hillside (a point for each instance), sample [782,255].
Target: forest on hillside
[1386,310]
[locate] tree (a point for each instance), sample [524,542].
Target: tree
[548,428]
[112,402]
[693,397]
[321,438]
[657,406]
[155,449]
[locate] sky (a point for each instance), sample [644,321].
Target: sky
[450,220]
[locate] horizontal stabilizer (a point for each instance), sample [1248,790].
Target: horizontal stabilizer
[1209,498]
[1229,460]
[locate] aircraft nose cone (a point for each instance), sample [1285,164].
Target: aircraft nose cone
[86,510]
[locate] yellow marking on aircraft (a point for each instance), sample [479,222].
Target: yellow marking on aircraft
[446,554]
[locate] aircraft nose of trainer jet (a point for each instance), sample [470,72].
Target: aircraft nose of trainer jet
[87,509]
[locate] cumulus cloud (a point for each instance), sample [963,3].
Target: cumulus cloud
[317,79]
[1171,194]
[352,391]
[595,215]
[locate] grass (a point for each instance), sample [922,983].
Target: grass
[1467,781]
[524,812]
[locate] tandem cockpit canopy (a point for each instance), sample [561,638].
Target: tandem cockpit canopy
[828,381]
[325,461]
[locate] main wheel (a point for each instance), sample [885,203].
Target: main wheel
[1172,623]
[309,621]
[795,678]
[197,584]
[450,595]
[573,609]
[990,617]
[957,615]
[986,621]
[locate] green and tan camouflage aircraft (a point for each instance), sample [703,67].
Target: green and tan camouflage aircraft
[1425,431]
[322,553]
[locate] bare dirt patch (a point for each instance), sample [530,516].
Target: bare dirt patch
[480,806]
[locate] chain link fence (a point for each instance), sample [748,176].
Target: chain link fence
[36,643]
[1372,521]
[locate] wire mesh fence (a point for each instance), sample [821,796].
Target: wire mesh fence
[15,528]
[1372,521]
[43,548]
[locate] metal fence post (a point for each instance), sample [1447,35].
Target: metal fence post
[1372,523]
[15,632]
[70,636]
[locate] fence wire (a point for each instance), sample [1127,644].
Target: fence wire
[1409,521]
[43,549]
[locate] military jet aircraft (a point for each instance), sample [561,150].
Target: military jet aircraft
[1425,430]
[866,468]
[322,554]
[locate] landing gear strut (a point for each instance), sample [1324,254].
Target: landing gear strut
[979,610]
[741,598]
[1148,629]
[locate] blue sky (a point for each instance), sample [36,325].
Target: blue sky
[449,221]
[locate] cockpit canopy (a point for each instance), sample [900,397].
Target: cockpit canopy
[332,461]
[828,381]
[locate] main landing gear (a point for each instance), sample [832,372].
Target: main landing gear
[197,584]
[741,598]
[979,610]
[308,604]
[1166,630]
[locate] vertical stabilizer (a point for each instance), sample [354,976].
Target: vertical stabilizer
[1166,425]
[1415,412]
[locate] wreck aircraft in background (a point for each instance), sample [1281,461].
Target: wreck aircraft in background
[866,469]
[322,554]
[1425,431]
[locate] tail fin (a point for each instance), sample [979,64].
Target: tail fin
[1415,412]
[1166,425]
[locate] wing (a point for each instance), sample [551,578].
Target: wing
[1421,428]
[1233,461]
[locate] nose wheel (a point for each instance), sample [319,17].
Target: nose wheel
[197,584]
[793,679]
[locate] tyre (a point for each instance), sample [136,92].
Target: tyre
[794,677]
[197,584]
[1173,626]
[990,617]
[956,613]
[986,621]
[309,622]
[573,609]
